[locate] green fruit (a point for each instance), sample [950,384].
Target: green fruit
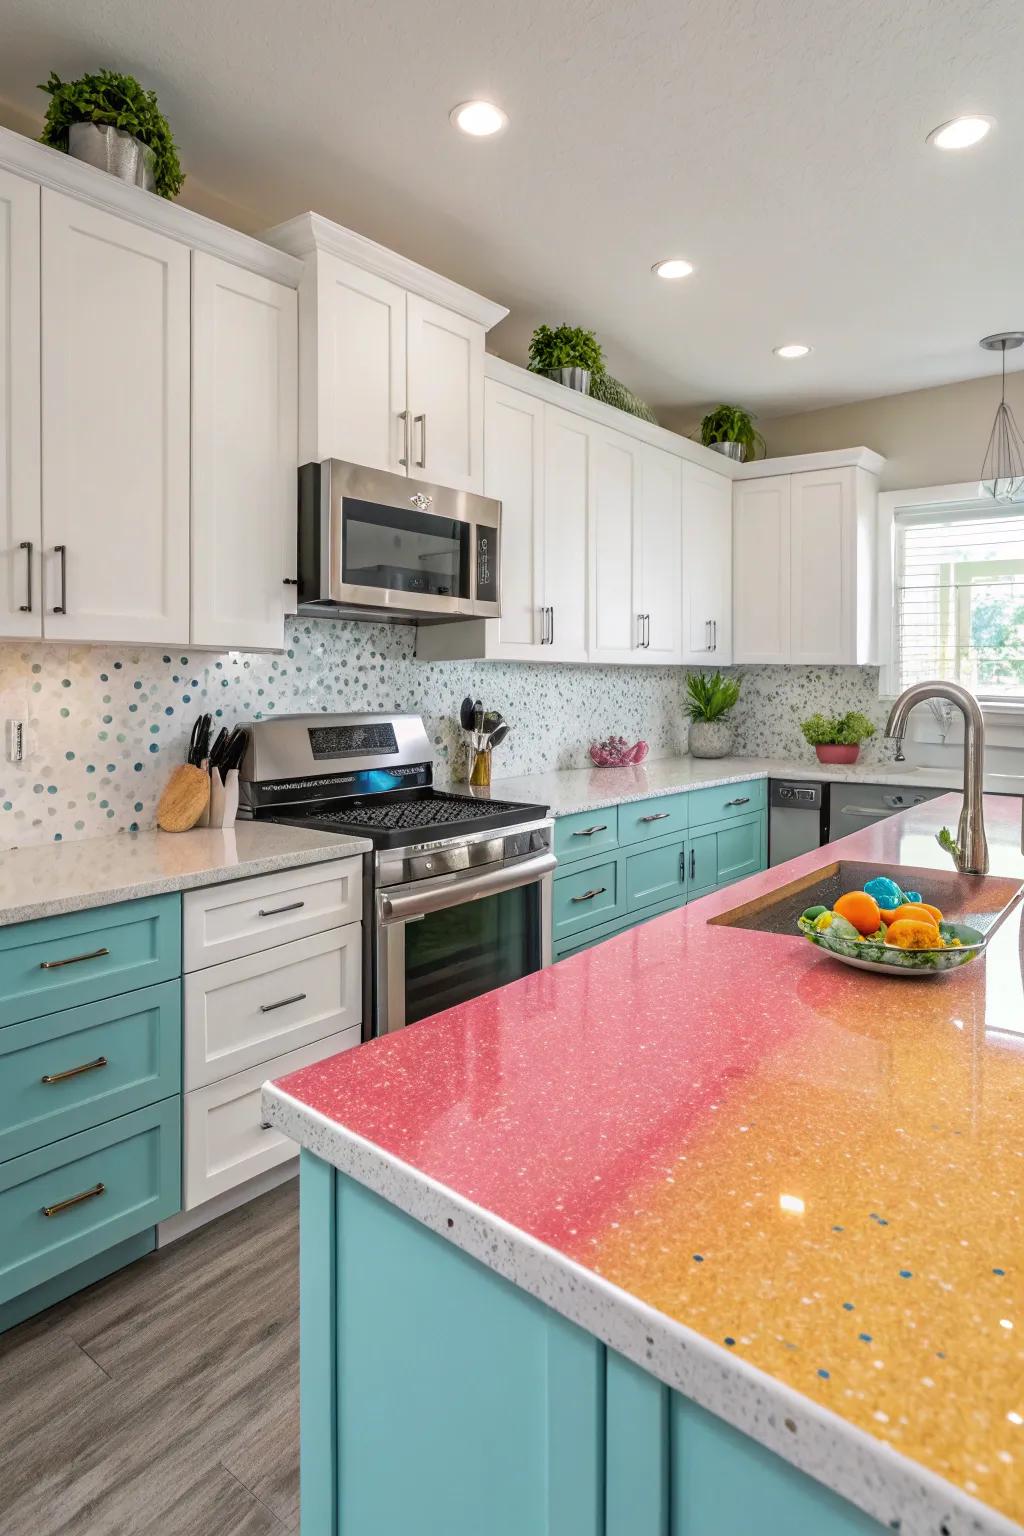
[812,913]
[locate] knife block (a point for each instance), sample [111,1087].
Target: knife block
[223,799]
[184,800]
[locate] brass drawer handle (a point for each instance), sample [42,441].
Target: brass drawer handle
[589,831]
[65,1205]
[659,816]
[589,895]
[300,997]
[742,800]
[55,965]
[87,1066]
[293,906]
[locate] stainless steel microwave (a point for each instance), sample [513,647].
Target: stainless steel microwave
[375,543]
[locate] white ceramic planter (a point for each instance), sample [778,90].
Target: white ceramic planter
[710,738]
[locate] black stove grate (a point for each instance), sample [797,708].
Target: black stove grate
[413,815]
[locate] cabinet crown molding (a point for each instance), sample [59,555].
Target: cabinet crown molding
[799,463]
[51,168]
[309,233]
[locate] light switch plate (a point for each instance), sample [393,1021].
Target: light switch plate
[14,739]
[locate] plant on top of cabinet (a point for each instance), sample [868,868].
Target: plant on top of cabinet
[111,121]
[837,738]
[710,699]
[567,354]
[729,429]
[613,392]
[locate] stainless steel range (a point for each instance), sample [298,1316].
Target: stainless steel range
[459,886]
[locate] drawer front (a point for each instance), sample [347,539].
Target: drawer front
[60,962]
[247,1011]
[68,1071]
[99,1187]
[740,850]
[225,1141]
[726,801]
[641,819]
[225,922]
[656,874]
[585,897]
[702,862]
[586,833]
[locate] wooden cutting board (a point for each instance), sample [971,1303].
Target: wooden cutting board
[184,799]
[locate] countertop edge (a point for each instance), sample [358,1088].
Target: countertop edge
[867,1472]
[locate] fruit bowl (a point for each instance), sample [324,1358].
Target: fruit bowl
[869,954]
[616,752]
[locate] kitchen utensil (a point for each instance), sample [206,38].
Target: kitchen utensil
[478,716]
[199,742]
[234,751]
[216,751]
[498,735]
[185,798]
[492,719]
[466,714]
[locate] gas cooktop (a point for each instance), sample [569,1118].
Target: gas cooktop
[392,820]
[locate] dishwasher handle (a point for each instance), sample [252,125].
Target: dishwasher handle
[455,893]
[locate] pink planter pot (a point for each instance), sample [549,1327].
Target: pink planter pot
[834,754]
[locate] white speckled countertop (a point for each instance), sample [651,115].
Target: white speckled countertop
[589,789]
[44,880]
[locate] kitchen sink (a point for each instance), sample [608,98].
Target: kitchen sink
[980,900]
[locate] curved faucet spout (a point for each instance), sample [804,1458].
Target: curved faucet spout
[972,844]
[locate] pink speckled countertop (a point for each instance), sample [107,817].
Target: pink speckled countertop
[815,1172]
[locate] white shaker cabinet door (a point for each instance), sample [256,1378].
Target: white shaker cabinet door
[707,568]
[445,395]
[514,474]
[567,501]
[115,443]
[658,556]
[244,454]
[20,610]
[354,364]
[823,566]
[761,569]
[615,626]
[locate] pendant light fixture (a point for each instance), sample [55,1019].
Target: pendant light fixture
[1002,472]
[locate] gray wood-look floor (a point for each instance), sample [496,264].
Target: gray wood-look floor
[164,1399]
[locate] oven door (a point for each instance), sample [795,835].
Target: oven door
[442,942]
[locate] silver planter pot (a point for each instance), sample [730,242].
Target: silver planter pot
[115,151]
[729,450]
[710,738]
[572,378]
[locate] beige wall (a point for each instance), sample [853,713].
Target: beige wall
[929,436]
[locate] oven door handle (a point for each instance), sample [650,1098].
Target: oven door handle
[403,909]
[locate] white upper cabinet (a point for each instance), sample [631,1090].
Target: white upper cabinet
[244,454]
[514,474]
[616,627]
[804,567]
[707,568]
[115,434]
[568,493]
[445,395]
[20,607]
[657,557]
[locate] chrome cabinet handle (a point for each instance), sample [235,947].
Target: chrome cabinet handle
[62,550]
[300,997]
[639,631]
[647,631]
[87,1066]
[551,616]
[55,965]
[740,800]
[598,890]
[403,417]
[658,816]
[421,462]
[65,1205]
[714,634]
[589,831]
[26,606]
[545,626]
[693,863]
[292,906]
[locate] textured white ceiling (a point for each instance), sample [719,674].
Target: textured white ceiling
[779,145]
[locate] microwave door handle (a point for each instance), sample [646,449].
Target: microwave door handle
[401,909]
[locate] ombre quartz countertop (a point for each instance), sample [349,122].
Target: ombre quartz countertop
[50,878]
[793,1190]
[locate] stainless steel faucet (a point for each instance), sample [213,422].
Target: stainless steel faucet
[970,852]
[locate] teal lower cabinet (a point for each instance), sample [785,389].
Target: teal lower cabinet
[437,1398]
[656,875]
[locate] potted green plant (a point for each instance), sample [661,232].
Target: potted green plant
[837,738]
[567,354]
[709,701]
[110,121]
[729,429]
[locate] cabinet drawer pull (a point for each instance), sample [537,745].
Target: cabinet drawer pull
[26,606]
[55,965]
[87,1066]
[292,906]
[65,1205]
[403,417]
[693,863]
[589,831]
[598,890]
[62,550]
[658,816]
[300,997]
[740,800]
[421,462]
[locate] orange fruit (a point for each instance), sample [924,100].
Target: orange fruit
[913,933]
[861,910]
[913,912]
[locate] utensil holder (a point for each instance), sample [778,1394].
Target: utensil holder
[480,771]
[223,798]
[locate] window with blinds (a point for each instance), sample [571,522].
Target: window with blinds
[959,589]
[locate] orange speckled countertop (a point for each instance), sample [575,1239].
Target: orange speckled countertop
[817,1170]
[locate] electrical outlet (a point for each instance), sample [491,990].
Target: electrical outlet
[15,740]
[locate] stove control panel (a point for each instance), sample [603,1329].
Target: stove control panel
[519,844]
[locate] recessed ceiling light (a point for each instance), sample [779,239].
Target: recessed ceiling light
[960,132]
[481,119]
[791,349]
[674,267]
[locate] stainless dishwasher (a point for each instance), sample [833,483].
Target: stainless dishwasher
[855,806]
[797,818]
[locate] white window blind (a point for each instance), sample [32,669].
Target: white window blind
[959,588]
